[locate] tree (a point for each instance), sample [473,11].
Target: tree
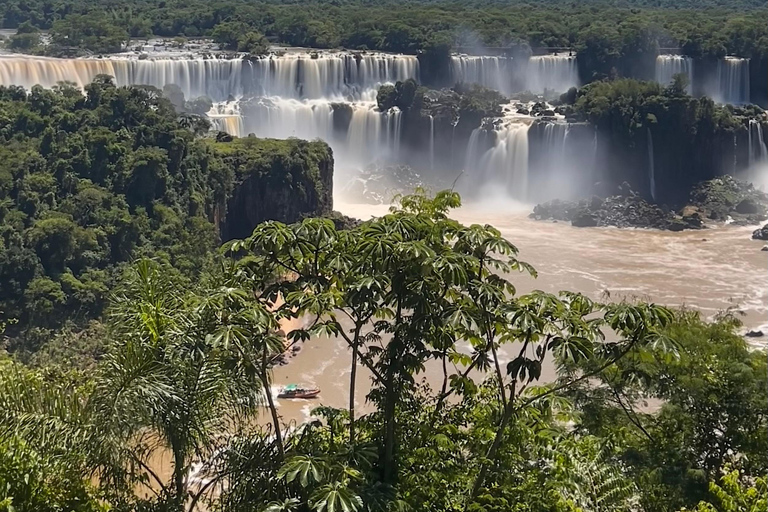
[428,283]
[734,495]
[26,38]
[229,33]
[253,43]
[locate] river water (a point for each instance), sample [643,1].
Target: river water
[709,270]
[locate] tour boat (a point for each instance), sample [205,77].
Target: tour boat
[294,391]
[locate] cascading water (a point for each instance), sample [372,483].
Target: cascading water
[758,152]
[505,165]
[490,72]
[733,81]
[290,95]
[556,73]
[651,165]
[667,66]
[431,142]
[293,75]
[225,117]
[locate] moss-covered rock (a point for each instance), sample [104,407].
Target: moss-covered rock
[281,180]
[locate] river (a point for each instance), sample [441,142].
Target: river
[710,270]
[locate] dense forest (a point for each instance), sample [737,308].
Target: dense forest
[607,30]
[89,182]
[154,273]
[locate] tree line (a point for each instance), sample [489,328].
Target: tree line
[737,28]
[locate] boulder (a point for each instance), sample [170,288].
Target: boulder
[693,221]
[690,210]
[754,334]
[761,233]
[748,206]
[677,225]
[584,219]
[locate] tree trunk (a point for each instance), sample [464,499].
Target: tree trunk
[491,455]
[271,403]
[179,470]
[352,377]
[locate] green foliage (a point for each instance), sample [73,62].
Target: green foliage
[89,183]
[713,412]
[93,31]
[189,363]
[618,37]
[734,495]
[29,482]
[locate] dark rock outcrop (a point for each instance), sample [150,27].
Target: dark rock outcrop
[725,196]
[626,211]
[716,200]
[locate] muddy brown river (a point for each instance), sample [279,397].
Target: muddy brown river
[709,270]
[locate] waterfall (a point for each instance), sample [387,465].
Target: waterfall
[365,142]
[505,165]
[667,66]
[733,81]
[556,73]
[280,96]
[651,165]
[226,117]
[758,152]
[293,75]
[487,71]
[472,155]
[397,120]
[431,142]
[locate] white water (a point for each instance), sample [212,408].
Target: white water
[651,165]
[556,73]
[293,75]
[490,72]
[431,142]
[733,81]
[290,95]
[503,169]
[667,66]
[758,152]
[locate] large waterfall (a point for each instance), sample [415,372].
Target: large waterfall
[758,152]
[491,72]
[293,75]
[538,74]
[500,165]
[667,66]
[733,81]
[556,73]
[290,95]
